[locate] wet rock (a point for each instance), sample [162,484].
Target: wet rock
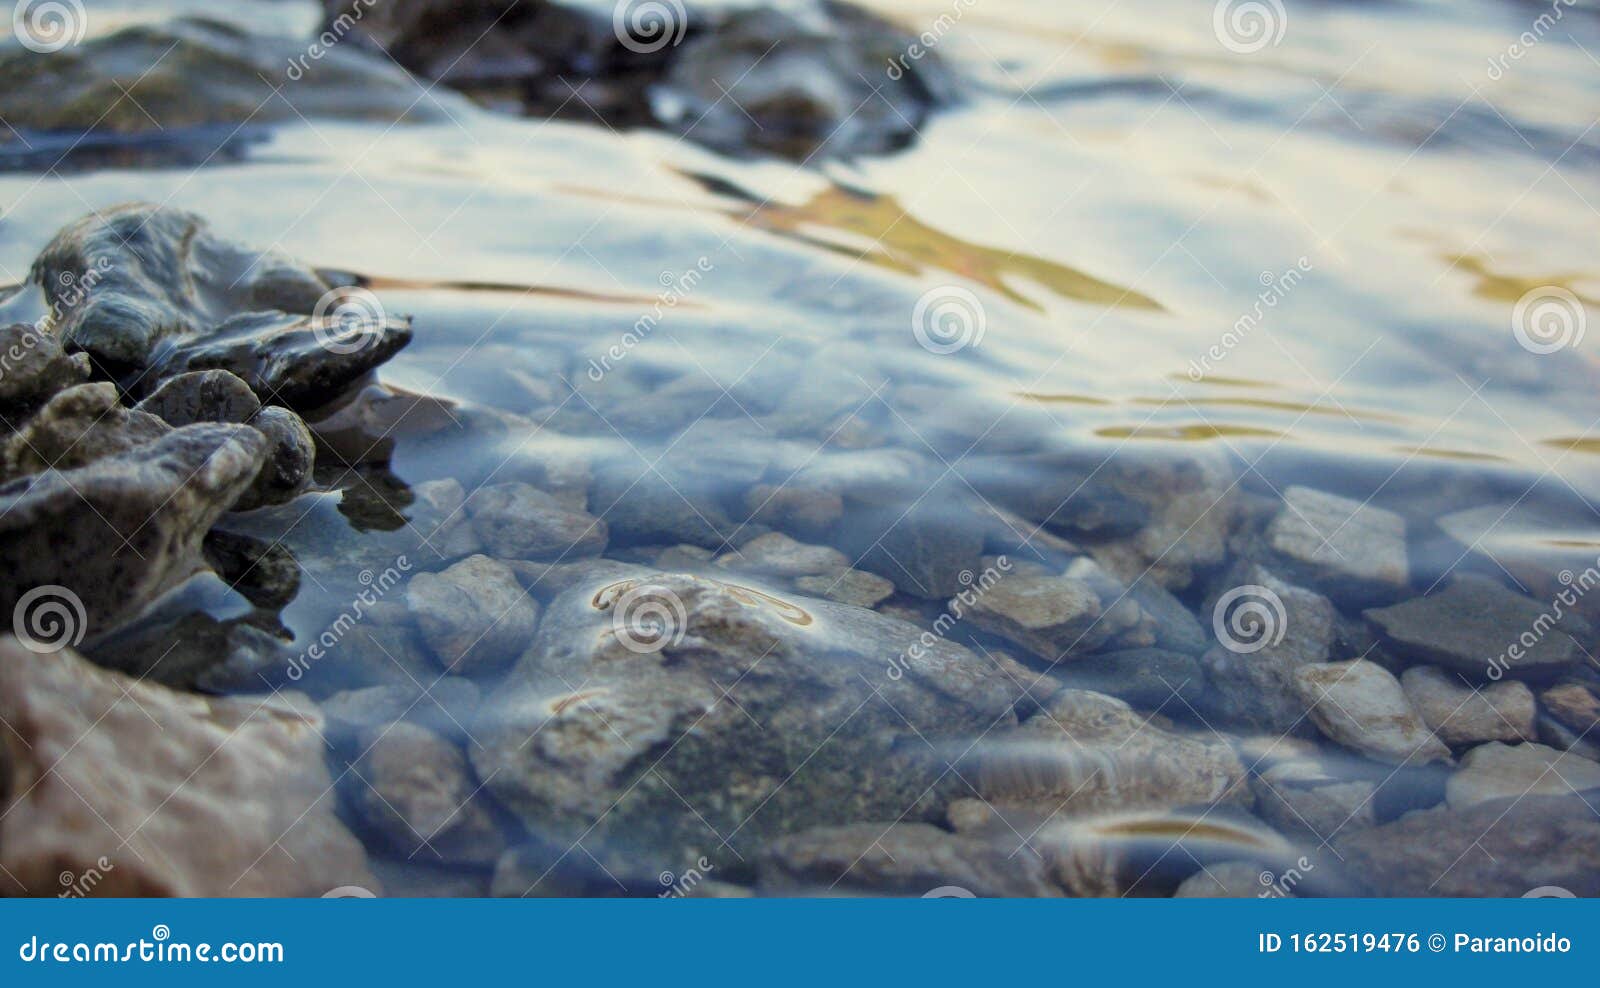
[1497,771]
[291,454]
[1192,503]
[186,795]
[1148,678]
[1574,705]
[33,366]
[847,586]
[646,696]
[776,554]
[1480,630]
[805,512]
[266,573]
[439,514]
[1501,848]
[904,859]
[416,790]
[1457,714]
[1304,797]
[1348,548]
[203,396]
[517,521]
[931,549]
[119,532]
[1054,617]
[1362,706]
[368,706]
[474,615]
[76,427]
[1173,626]
[1228,880]
[646,508]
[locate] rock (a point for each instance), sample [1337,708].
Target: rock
[266,573]
[1148,678]
[1228,880]
[185,795]
[76,427]
[1361,705]
[776,554]
[904,859]
[647,509]
[368,706]
[33,366]
[415,789]
[124,529]
[1192,503]
[1457,714]
[1348,548]
[291,454]
[664,710]
[1174,628]
[930,549]
[847,586]
[1480,630]
[203,396]
[1501,849]
[1574,705]
[517,521]
[1497,771]
[1301,797]
[1054,617]
[474,615]
[1269,630]
[805,512]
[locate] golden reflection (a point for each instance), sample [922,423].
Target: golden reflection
[1187,433]
[1510,288]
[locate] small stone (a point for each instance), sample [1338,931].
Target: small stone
[202,396]
[291,454]
[33,365]
[1574,705]
[1148,678]
[804,511]
[1228,880]
[1496,771]
[75,428]
[1252,671]
[1479,629]
[776,554]
[1361,705]
[931,549]
[438,514]
[369,706]
[1348,547]
[1457,714]
[474,615]
[1054,617]
[909,859]
[1301,797]
[265,573]
[684,559]
[416,789]
[519,521]
[848,586]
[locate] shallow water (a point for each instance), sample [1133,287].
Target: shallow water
[1128,247]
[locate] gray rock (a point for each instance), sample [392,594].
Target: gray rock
[517,521]
[203,396]
[902,859]
[1348,548]
[1148,678]
[475,615]
[124,529]
[291,455]
[647,509]
[1362,706]
[1480,630]
[1252,672]
[74,428]
[1054,617]
[847,586]
[1174,627]
[265,573]
[416,790]
[776,554]
[185,795]
[1458,714]
[931,549]
[1497,771]
[1303,797]
[805,512]
[33,366]
[1574,705]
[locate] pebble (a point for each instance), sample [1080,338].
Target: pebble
[1459,715]
[474,615]
[416,790]
[202,396]
[776,554]
[1345,547]
[1479,629]
[848,586]
[1498,771]
[1362,706]
[1054,617]
[519,521]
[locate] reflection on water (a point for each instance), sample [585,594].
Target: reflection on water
[1115,197]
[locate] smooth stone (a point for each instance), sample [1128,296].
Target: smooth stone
[76,427]
[1228,880]
[1475,627]
[475,615]
[186,795]
[931,549]
[202,396]
[33,366]
[1252,672]
[1342,546]
[518,521]
[1360,705]
[801,511]
[847,586]
[1174,626]
[416,790]
[264,572]
[291,455]
[368,706]
[123,530]
[1054,617]
[1192,502]
[1148,678]
[1301,797]
[1501,849]
[897,859]
[776,554]
[1457,714]
[1574,705]
[648,509]
[1496,771]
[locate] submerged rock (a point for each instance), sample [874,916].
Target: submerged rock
[1497,771]
[181,795]
[474,615]
[904,859]
[416,789]
[1348,548]
[1252,670]
[1362,706]
[1458,714]
[34,366]
[1054,617]
[519,521]
[1479,629]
